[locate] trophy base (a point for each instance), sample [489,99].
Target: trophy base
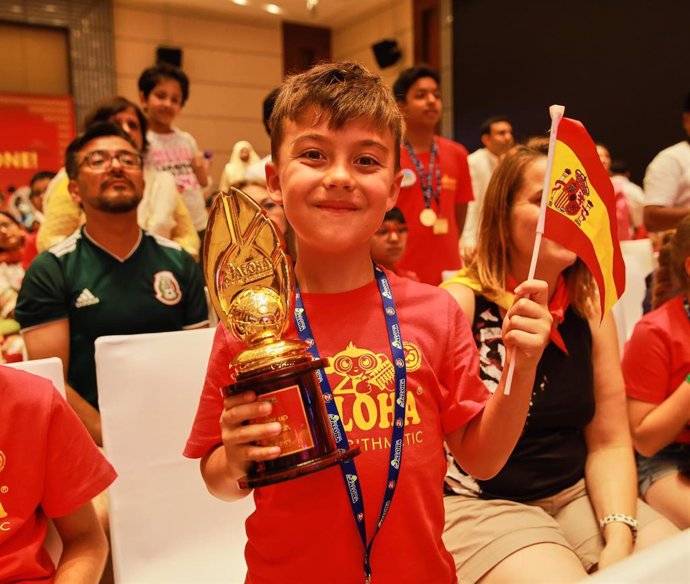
[306,439]
[263,479]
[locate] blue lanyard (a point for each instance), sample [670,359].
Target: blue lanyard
[348,468]
[425,178]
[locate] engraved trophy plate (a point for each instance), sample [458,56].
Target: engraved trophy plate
[251,285]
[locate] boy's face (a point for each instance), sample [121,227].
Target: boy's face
[335,185]
[422,105]
[164,102]
[388,243]
[38,189]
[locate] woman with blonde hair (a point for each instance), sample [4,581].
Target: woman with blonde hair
[566,501]
[656,369]
[242,157]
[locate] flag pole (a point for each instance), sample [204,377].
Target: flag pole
[556,112]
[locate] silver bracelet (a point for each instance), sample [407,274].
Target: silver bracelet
[630,521]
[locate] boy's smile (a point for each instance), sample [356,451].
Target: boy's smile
[335,184]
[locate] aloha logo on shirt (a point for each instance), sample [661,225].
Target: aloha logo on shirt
[365,395]
[166,288]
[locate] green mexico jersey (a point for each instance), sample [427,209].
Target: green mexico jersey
[157,288]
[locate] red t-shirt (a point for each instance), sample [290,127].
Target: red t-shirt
[405,274]
[427,254]
[657,356]
[303,530]
[49,467]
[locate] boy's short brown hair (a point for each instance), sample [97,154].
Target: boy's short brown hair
[342,91]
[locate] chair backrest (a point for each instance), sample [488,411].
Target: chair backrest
[50,369]
[164,525]
[639,263]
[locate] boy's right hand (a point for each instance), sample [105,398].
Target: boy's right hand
[240,439]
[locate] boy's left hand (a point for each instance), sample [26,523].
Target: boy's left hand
[528,321]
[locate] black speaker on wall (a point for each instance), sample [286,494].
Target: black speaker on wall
[169,55]
[387,52]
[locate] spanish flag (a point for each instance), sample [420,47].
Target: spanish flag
[580,210]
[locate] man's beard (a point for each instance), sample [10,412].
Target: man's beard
[123,201]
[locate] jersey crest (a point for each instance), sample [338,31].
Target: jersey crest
[166,288]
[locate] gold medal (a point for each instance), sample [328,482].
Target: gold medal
[427,217]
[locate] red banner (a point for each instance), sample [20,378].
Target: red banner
[36,130]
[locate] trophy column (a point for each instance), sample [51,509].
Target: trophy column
[251,285]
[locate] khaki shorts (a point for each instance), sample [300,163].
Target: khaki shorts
[481,533]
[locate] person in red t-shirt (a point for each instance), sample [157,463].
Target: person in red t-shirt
[437,186]
[49,468]
[389,242]
[335,140]
[656,368]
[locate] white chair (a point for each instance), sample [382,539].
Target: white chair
[639,263]
[164,525]
[667,562]
[50,369]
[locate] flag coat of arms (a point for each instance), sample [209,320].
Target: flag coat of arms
[581,211]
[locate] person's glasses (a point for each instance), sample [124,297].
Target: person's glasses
[103,160]
[388,230]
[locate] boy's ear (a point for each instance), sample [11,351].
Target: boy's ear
[273,187]
[142,100]
[394,190]
[73,188]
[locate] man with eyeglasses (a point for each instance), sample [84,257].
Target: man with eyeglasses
[109,277]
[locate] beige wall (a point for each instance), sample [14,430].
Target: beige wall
[34,60]
[231,64]
[352,41]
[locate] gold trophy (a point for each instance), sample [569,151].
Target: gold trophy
[251,285]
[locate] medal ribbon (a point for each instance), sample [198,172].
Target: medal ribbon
[425,178]
[347,467]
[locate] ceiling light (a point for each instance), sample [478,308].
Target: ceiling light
[272,8]
[240,2]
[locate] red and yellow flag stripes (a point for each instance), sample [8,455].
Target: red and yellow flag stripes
[581,212]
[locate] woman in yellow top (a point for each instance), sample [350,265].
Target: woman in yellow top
[161,211]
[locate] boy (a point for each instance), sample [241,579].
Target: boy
[438,185]
[389,242]
[49,467]
[335,147]
[163,91]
